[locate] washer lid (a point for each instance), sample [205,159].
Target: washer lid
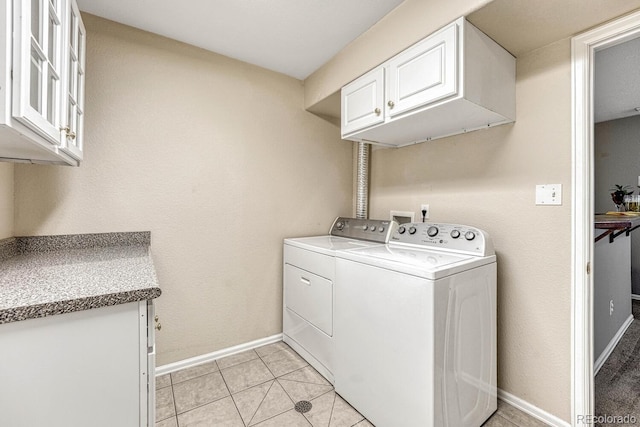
[328,244]
[431,264]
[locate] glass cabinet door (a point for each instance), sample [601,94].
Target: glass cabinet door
[38,66]
[75,56]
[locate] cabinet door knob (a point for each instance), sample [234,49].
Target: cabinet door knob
[156,318]
[391,104]
[159,326]
[377,111]
[67,130]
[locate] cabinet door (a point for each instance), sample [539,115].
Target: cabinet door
[73,121]
[424,73]
[73,369]
[362,102]
[38,66]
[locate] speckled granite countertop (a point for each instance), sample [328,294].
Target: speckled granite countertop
[47,275]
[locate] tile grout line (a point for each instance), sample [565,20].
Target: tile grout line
[204,404]
[274,380]
[507,420]
[302,382]
[261,402]
[172,384]
[332,406]
[207,403]
[239,363]
[334,401]
[230,394]
[286,373]
[266,365]
[197,376]
[174,404]
[352,407]
[288,410]
[307,382]
[290,397]
[286,392]
[173,395]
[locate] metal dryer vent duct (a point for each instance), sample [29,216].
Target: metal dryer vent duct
[362,190]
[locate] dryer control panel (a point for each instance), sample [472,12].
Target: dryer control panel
[373,230]
[447,237]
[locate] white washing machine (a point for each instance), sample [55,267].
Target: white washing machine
[309,286]
[415,327]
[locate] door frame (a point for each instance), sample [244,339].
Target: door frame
[583,48]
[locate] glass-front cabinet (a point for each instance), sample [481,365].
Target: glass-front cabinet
[36,100]
[44,65]
[74,89]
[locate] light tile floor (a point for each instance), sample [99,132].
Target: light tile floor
[260,388]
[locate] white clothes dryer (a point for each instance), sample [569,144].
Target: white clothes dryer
[415,327]
[309,285]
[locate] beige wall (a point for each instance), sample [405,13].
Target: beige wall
[6,200]
[487,179]
[217,158]
[411,21]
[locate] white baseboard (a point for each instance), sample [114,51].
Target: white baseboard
[204,358]
[532,410]
[612,345]
[634,296]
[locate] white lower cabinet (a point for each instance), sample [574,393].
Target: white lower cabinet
[87,368]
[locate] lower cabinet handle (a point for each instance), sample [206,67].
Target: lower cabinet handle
[305,281]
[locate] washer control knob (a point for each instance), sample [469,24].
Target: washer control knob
[432,231]
[469,235]
[340,225]
[401,229]
[412,230]
[455,234]
[365,227]
[373,228]
[381,229]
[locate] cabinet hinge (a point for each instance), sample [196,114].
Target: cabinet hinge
[588,268]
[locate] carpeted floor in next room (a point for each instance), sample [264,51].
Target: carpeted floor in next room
[618,381]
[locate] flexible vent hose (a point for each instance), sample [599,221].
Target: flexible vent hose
[362,190]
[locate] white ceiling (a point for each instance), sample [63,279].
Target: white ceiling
[617,81]
[293,37]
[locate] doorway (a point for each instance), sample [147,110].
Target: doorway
[583,49]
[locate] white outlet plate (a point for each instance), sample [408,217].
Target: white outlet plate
[549,194]
[402,217]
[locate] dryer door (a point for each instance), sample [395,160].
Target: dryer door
[310,297]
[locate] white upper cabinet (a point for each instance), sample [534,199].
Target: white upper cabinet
[73,120]
[424,73]
[37,67]
[454,81]
[41,81]
[363,101]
